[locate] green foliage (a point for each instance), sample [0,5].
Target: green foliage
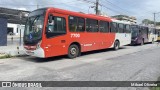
[5,56]
[147,21]
[156,88]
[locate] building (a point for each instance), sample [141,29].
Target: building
[130,19]
[3,32]
[12,22]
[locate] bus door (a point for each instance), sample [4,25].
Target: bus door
[55,42]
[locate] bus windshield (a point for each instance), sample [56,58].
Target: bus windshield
[135,32]
[33,27]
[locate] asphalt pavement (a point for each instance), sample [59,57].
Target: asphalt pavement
[130,63]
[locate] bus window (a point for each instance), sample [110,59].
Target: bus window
[104,26]
[121,28]
[114,27]
[56,27]
[143,29]
[159,34]
[92,25]
[72,24]
[127,29]
[81,25]
[155,31]
[76,24]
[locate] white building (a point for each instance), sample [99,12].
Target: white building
[14,29]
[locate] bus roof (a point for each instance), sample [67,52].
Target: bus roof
[119,21]
[67,12]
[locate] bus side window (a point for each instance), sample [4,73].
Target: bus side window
[92,25]
[127,29]
[56,27]
[76,24]
[158,33]
[113,27]
[121,28]
[81,25]
[104,26]
[72,24]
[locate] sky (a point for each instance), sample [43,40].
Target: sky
[141,9]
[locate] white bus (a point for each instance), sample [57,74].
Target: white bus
[123,32]
[152,34]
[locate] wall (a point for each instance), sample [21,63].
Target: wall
[17,27]
[14,26]
[3,32]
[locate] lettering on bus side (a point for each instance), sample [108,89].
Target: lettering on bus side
[75,35]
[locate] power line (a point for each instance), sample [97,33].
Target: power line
[111,9]
[87,1]
[118,7]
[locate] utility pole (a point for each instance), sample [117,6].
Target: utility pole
[154,19]
[97,4]
[154,14]
[37,6]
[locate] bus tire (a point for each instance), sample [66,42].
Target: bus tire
[73,51]
[116,45]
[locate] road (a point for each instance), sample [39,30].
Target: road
[130,63]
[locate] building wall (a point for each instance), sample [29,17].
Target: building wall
[16,28]
[3,32]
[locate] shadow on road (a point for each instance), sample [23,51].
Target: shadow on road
[56,58]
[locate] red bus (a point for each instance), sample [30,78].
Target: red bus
[53,32]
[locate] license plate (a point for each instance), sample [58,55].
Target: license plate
[30,52]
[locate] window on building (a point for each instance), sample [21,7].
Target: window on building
[104,26]
[121,28]
[76,24]
[92,25]
[114,27]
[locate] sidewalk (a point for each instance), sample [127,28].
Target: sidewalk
[13,47]
[12,50]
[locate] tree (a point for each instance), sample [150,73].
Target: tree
[147,21]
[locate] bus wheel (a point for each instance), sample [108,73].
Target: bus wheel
[116,45]
[73,51]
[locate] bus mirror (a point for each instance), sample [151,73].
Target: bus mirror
[50,18]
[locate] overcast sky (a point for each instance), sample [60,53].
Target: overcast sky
[139,8]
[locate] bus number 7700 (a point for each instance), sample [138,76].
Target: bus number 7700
[75,35]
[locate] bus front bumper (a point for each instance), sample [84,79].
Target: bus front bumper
[134,41]
[36,53]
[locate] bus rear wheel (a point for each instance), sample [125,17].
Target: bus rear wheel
[73,51]
[116,45]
